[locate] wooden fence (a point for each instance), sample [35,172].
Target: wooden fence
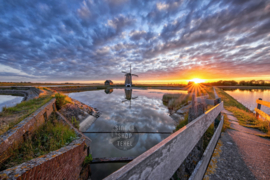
[260,112]
[161,161]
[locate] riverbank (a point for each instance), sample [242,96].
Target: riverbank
[244,87]
[243,114]
[11,116]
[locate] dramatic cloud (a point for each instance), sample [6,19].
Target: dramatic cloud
[95,40]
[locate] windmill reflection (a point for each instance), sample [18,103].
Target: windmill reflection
[128,93]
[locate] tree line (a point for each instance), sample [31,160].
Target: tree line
[240,83]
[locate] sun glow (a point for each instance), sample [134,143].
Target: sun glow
[197,80]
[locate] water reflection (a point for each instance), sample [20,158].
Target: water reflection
[9,101]
[108,91]
[148,116]
[128,93]
[248,97]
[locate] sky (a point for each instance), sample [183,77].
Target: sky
[163,41]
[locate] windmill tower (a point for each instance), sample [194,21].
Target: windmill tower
[128,81]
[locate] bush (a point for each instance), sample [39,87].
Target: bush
[88,159]
[75,123]
[61,100]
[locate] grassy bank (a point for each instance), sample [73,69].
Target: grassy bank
[13,115]
[243,114]
[49,137]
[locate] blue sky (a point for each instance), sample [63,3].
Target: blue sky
[163,40]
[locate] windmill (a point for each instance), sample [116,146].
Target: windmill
[128,81]
[128,93]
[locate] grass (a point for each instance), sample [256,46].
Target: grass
[61,100]
[49,137]
[20,111]
[174,101]
[244,115]
[182,123]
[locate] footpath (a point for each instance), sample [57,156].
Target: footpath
[240,154]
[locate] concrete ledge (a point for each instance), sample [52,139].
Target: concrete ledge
[27,92]
[161,161]
[201,167]
[79,133]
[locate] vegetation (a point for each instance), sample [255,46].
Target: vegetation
[88,159]
[61,100]
[14,115]
[49,137]
[175,101]
[182,123]
[241,83]
[75,123]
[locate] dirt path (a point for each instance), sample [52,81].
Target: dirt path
[240,154]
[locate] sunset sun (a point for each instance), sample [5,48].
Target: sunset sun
[197,80]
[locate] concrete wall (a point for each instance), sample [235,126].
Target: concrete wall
[65,163]
[161,161]
[13,137]
[27,92]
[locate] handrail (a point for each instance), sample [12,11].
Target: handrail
[265,103]
[263,114]
[161,161]
[260,112]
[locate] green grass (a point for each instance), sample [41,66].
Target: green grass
[22,110]
[49,137]
[244,115]
[182,123]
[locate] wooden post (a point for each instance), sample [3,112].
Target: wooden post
[258,107]
[218,118]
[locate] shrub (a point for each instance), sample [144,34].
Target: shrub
[61,100]
[75,123]
[88,159]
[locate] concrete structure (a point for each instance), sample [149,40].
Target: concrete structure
[13,137]
[162,160]
[108,83]
[27,92]
[65,163]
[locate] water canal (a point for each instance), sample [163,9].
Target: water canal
[9,101]
[139,113]
[248,97]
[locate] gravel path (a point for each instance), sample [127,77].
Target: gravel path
[240,154]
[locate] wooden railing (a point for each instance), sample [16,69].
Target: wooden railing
[259,111]
[161,161]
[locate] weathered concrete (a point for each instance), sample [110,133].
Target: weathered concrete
[201,167]
[27,92]
[112,159]
[87,122]
[65,163]
[162,160]
[79,133]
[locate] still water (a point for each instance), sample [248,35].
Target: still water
[248,97]
[9,101]
[131,122]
